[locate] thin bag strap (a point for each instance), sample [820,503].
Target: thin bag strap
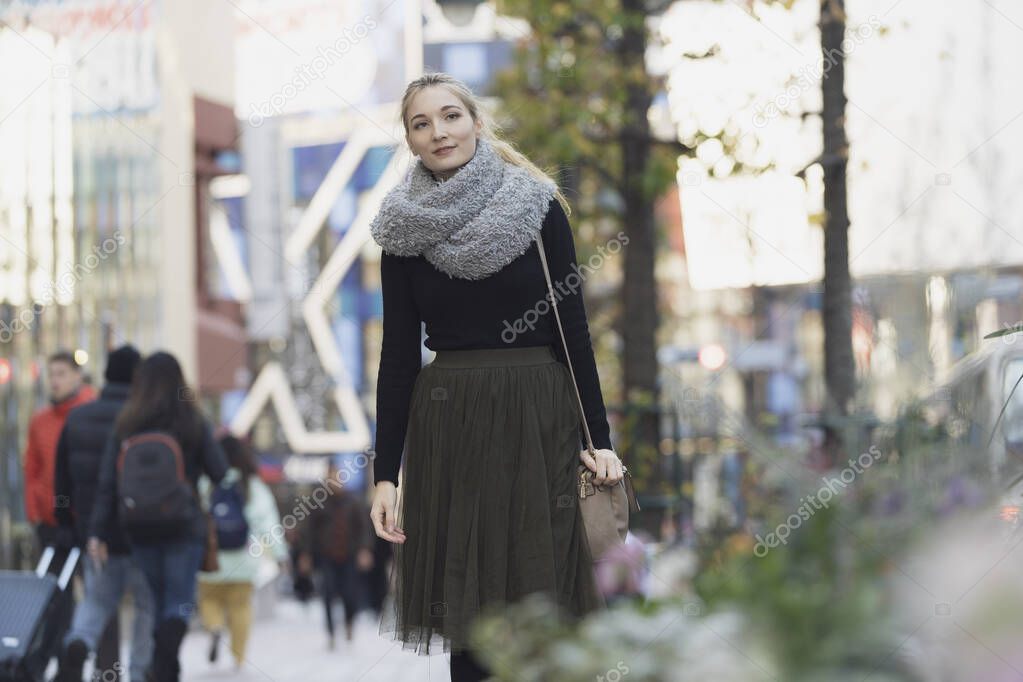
[564,344]
[626,480]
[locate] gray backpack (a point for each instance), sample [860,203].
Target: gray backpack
[155,496]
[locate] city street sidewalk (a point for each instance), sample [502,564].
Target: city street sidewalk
[292,647]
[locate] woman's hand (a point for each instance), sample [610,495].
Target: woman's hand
[384,520]
[606,467]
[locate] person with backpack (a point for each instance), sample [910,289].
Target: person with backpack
[343,552]
[79,452]
[160,446]
[244,510]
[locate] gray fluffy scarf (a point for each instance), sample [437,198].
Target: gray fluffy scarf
[472,224]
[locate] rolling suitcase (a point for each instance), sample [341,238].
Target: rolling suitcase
[33,609]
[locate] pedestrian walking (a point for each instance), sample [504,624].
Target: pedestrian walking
[66,392]
[245,511]
[302,565]
[79,455]
[490,426]
[148,484]
[343,553]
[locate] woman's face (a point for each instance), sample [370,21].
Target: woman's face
[440,131]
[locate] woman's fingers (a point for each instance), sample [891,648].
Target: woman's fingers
[383,514]
[608,470]
[588,460]
[383,524]
[392,529]
[378,521]
[606,467]
[389,536]
[395,536]
[614,471]
[601,474]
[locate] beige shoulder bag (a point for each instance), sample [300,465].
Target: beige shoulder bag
[605,509]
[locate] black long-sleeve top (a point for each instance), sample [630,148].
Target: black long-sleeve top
[499,311]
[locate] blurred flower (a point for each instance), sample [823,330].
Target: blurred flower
[671,643]
[622,570]
[961,493]
[892,503]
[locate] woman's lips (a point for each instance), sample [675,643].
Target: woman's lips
[444,151]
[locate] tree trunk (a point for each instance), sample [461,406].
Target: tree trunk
[838,356]
[639,292]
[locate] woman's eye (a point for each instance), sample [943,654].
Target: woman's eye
[448,116]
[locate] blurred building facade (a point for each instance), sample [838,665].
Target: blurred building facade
[114,124]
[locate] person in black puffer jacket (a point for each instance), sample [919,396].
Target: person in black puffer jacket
[79,454]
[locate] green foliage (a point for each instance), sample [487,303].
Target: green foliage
[570,95]
[817,596]
[644,459]
[641,642]
[824,592]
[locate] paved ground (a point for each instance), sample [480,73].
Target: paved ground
[292,646]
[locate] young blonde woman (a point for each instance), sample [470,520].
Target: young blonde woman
[490,427]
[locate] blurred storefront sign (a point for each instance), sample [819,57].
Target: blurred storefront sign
[762,356]
[108,50]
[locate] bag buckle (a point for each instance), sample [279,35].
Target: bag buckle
[585,484]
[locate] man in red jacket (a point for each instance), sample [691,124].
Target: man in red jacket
[66,392]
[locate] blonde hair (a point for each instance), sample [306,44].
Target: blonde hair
[489,128]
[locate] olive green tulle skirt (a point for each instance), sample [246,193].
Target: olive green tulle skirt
[488,500]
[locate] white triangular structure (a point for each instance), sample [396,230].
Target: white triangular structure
[340,261]
[272,386]
[272,383]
